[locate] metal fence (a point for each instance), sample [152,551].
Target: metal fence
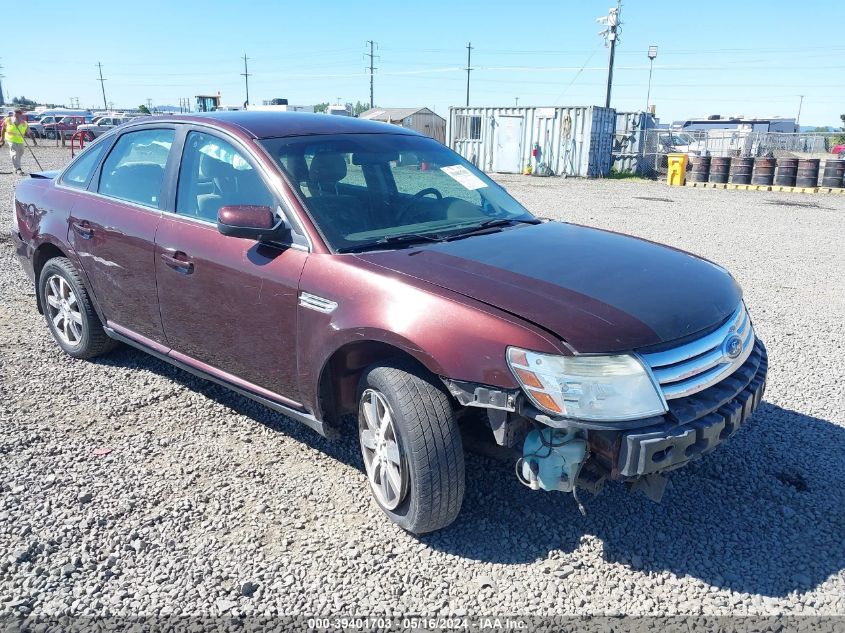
[734,143]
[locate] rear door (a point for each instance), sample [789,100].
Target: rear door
[507,140]
[113,230]
[228,305]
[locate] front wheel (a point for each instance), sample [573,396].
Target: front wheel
[51,135]
[412,449]
[70,316]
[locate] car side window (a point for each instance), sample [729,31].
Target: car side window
[79,173]
[134,169]
[215,174]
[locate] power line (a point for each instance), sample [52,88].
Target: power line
[469,67]
[102,85]
[246,75]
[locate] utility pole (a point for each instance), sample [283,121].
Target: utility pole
[372,69]
[798,118]
[102,85]
[469,67]
[516,102]
[246,76]
[2,76]
[611,34]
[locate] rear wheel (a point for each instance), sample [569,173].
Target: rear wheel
[412,449]
[89,136]
[51,135]
[70,316]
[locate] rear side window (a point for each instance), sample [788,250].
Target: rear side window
[215,174]
[79,173]
[134,170]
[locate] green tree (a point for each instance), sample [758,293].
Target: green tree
[23,101]
[143,109]
[359,108]
[321,107]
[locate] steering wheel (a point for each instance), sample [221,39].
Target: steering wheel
[403,212]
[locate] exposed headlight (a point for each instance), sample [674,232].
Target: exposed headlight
[607,388]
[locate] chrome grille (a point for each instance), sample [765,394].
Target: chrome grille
[701,363]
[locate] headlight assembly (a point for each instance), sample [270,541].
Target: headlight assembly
[607,388]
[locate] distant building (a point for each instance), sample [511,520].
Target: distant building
[422,120]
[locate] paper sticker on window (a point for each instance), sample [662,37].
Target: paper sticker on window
[464,176]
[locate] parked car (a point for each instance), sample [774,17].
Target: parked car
[101,125]
[838,150]
[64,127]
[38,126]
[299,264]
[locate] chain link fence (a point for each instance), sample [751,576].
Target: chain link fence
[657,144]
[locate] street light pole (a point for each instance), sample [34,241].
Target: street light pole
[798,118]
[652,53]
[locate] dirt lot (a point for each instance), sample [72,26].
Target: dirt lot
[208,503]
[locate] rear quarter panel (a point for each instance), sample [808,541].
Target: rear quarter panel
[41,212]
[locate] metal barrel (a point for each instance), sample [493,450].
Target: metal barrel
[720,167]
[808,172]
[700,169]
[834,173]
[764,171]
[786,172]
[741,170]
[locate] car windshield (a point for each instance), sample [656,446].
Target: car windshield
[367,190]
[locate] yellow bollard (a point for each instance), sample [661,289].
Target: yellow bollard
[677,175]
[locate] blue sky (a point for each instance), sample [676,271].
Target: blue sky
[740,57]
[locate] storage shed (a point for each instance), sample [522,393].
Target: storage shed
[570,141]
[422,120]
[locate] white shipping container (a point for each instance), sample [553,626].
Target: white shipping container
[572,141]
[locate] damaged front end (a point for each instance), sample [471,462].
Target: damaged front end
[564,454]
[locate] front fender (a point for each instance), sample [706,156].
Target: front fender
[451,335]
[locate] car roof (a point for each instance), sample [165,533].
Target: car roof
[277,124]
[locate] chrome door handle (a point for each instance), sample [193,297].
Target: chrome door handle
[83,229]
[177,263]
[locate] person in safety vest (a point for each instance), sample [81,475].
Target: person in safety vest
[13,131]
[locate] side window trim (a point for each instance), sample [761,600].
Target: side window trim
[94,185]
[281,205]
[103,149]
[245,154]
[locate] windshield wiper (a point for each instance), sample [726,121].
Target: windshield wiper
[487,225]
[402,238]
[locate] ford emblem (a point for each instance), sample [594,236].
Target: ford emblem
[732,346]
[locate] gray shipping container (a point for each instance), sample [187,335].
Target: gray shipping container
[572,141]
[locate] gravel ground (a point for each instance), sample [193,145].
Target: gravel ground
[206,503]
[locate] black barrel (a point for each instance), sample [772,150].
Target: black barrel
[764,171]
[720,167]
[808,172]
[741,170]
[700,169]
[834,173]
[787,171]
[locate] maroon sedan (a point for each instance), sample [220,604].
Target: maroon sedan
[311,263]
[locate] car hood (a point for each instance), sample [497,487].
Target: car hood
[597,290]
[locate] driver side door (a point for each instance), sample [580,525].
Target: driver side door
[228,305]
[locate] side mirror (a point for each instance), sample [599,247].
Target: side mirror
[251,222]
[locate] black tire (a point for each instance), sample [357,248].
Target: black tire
[51,135]
[89,136]
[429,441]
[93,340]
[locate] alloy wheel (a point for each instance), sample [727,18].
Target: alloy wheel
[384,461]
[64,310]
